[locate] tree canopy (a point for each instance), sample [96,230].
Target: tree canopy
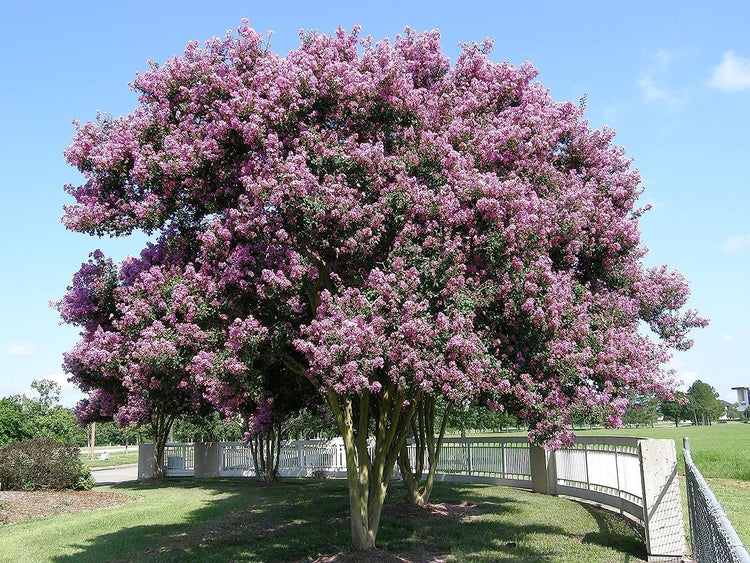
[387,226]
[704,406]
[40,415]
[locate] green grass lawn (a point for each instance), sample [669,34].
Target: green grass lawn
[115,458]
[300,520]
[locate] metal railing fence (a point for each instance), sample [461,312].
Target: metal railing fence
[179,459]
[711,532]
[602,469]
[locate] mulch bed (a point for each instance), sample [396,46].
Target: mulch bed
[17,506]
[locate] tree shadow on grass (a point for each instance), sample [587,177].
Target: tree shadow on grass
[238,519]
[615,531]
[305,520]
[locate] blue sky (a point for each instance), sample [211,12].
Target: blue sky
[672,78]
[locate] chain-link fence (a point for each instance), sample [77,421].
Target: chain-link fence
[713,536]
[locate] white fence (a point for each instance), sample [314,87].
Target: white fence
[479,460]
[636,476]
[179,460]
[602,469]
[605,470]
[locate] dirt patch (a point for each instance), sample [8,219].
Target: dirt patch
[730,483]
[406,510]
[440,510]
[352,556]
[17,506]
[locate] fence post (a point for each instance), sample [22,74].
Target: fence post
[146,461]
[206,463]
[543,470]
[662,503]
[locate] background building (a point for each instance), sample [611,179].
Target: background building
[742,394]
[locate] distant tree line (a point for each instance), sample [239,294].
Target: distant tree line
[42,416]
[24,418]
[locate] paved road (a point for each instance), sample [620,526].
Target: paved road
[110,476]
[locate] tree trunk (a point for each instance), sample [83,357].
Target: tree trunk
[158,460]
[265,449]
[161,425]
[423,430]
[368,473]
[278,451]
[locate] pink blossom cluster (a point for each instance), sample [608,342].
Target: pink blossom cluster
[384,333]
[263,417]
[369,215]
[137,362]
[86,302]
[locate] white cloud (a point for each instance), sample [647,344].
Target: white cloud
[650,83]
[69,393]
[683,377]
[732,74]
[653,93]
[675,363]
[735,243]
[19,350]
[730,396]
[62,380]
[687,378]
[726,337]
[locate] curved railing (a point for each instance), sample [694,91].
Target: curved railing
[603,469]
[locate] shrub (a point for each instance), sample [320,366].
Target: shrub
[85,479]
[42,463]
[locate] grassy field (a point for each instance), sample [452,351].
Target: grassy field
[115,458]
[719,450]
[301,520]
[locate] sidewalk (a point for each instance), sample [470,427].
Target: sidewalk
[116,474]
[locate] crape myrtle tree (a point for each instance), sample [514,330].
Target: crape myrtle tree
[140,334]
[433,416]
[156,347]
[394,228]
